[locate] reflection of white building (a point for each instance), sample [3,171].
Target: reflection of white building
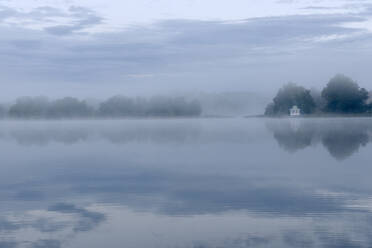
[295,111]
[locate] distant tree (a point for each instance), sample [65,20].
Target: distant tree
[288,96]
[369,102]
[29,107]
[163,106]
[118,106]
[69,107]
[318,99]
[3,111]
[343,95]
[270,109]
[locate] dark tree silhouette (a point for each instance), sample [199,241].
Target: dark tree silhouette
[343,95]
[288,96]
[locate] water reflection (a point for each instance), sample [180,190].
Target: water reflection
[53,227]
[43,133]
[342,138]
[121,132]
[185,183]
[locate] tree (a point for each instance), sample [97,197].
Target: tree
[69,107]
[343,95]
[29,107]
[118,106]
[288,96]
[318,99]
[270,109]
[121,106]
[178,106]
[3,111]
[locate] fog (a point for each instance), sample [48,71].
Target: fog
[341,138]
[114,107]
[179,105]
[187,124]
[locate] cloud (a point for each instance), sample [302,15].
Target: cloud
[48,18]
[87,219]
[318,8]
[8,244]
[85,18]
[172,43]
[6,12]
[47,243]
[26,44]
[251,53]
[6,225]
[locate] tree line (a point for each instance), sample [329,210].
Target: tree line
[341,95]
[114,107]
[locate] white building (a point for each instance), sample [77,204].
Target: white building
[295,111]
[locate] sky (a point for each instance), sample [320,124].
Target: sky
[97,48]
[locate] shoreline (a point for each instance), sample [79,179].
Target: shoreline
[325,116]
[312,116]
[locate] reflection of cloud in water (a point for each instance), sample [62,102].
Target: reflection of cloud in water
[261,192]
[61,221]
[47,243]
[342,138]
[8,244]
[295,214]
[184,194]
[87,219]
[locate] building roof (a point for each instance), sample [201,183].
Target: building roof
[295,107]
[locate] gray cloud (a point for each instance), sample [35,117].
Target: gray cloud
[85,18]
[318,8]
[6,225]
[6,12]
[78,18]
[256,53]
[8,244]
[47,243]
[88,219]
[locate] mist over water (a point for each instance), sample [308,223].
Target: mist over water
[185,124]
[186,183]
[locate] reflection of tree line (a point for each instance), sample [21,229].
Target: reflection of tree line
[116,135]
[341,138]
[122,132]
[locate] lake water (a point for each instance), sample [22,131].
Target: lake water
[186,183]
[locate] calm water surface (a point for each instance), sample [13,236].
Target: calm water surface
[197,183]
